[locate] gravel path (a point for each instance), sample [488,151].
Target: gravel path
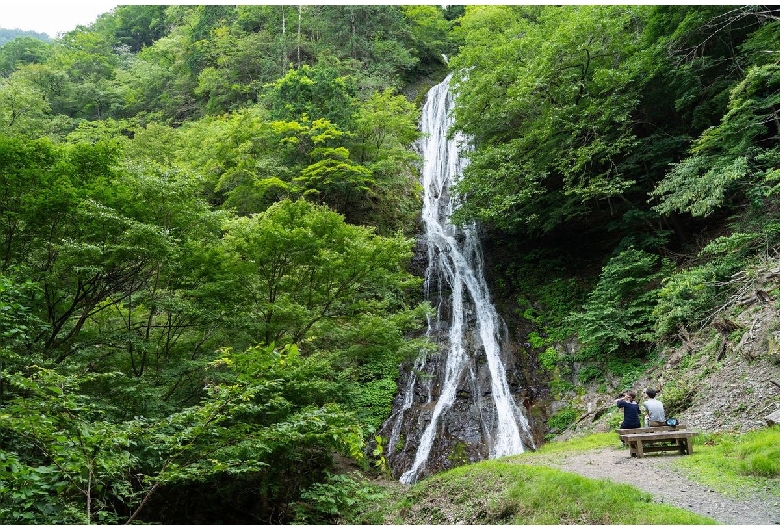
[654,474]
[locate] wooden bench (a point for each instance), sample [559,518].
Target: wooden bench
[657,439]
[643,430]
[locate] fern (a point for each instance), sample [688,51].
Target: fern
[619,311]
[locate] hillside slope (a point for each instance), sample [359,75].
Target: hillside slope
[723,377]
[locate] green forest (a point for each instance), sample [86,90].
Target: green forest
[208,218]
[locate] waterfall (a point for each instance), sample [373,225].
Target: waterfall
[466,323]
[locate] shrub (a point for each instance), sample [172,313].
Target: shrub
[683,298]
[549,359]
[590,373]
[629,369]
[340,499]
[561,419]
[687,296]
[677,396]
[619,310]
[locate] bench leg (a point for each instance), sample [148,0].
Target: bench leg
[685,445]
[639,450]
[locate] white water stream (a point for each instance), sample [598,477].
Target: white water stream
[455,266]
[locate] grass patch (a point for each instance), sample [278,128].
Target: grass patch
[500,492]
[736,464]
[580,444]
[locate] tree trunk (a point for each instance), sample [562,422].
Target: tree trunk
[299,36]
[285,59]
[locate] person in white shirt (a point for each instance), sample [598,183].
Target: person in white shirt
[655,410]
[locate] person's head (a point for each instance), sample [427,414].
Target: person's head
[630,394]
[650,393]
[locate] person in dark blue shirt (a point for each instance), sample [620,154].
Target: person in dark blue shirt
[630,410]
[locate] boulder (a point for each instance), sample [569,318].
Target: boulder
[773,419]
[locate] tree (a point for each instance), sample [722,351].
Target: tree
[255,423]
[384,136]
[693,69]
[375,38]
[244,163]
[335,179]
[430,30]
[552,119]
[23,106]
[66,466]
[89,62]
[21,51]
[158,82]
[134,26]
[740,154]
[304,269]
[619,311]
[70,224]
[313,93]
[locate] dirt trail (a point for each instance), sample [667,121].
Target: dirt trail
[654,474]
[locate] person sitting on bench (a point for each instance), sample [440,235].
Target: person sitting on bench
[630,410]
[656,417]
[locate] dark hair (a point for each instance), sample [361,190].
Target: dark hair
[650,393]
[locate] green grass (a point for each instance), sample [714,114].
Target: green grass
[501,492]
[581,443]
[736,464]
[732,464]
[522,490]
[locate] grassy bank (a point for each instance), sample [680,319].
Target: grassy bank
[522,490]
[500,492]
[737,465]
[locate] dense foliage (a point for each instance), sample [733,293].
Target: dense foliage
[206,216]
[204,271]
[613,144]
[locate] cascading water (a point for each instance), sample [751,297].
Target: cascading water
[463,392]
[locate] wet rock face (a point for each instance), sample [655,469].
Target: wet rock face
[459,438]
[463,434]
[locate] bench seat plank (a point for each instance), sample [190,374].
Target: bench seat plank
[640,430]
[658,435]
